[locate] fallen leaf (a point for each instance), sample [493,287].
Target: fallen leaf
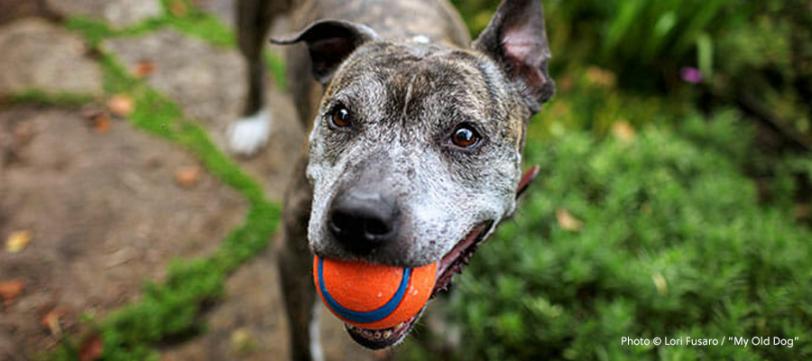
[91,349]
[144,68]
[121,105]
[565,83]
[9,290]
[188,176]
[567,221]
[660,283]
[600,77]
[17,241]
[98,119]
[803,211]
[23,133]
[52,320]
[242,342]
[178,8]
[101,123]
[623,131]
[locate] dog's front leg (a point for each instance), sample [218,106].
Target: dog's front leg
[295,266]
[254,19]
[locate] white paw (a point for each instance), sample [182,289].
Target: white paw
[315,338]
[247,135]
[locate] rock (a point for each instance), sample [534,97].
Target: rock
[11,10]
[35,54]
[206,81]
[106,216]
[118,13]
[225,10]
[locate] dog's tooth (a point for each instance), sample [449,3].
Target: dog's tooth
[387,334]
[378,335]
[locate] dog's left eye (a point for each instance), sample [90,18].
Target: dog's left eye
[465,136]
[340,117]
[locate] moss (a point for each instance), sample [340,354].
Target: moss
[173,307]
[45,98]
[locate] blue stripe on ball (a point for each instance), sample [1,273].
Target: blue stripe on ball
[370,316]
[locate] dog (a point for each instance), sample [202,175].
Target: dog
[415,135]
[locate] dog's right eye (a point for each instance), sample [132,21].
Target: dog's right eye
[340,117]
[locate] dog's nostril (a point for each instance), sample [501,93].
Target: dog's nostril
[340,222]
[358,225]
[375,227]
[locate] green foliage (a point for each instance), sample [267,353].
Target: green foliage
[589,99]
[644,33]
[756,54]
[674,243]
[45,98]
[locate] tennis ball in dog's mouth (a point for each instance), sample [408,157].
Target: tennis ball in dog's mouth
[373,296]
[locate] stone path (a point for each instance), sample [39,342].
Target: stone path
[103,205]
[104,214]
[24,67]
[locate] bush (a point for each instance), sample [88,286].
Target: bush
[753,54]
[672,242]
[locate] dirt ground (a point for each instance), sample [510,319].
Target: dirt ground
[101,207]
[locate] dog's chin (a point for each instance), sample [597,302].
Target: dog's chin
[451,264]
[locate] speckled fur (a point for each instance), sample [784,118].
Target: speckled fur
[406,99]
[409,74]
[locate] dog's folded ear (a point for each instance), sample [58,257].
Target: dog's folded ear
[515,38]
[329,43]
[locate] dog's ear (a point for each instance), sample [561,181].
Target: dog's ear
[329,43]
[515,38]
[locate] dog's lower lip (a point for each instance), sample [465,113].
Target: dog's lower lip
[459,256]
[377,339]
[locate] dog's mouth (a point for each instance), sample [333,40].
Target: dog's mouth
[451,264]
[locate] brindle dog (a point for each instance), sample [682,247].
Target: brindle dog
[416,135]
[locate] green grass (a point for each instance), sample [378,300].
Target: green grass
[45,98]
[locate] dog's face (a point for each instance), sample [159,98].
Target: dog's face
[428,138]
[415,152]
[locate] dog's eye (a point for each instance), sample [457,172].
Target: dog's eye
[340,117]
[465,136]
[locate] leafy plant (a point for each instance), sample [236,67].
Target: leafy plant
[673,242]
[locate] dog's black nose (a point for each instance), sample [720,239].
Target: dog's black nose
[363,221]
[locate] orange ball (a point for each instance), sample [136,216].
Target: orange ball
[373,296]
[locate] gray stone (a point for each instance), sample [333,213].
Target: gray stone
[209,84]
[206,81]
[225,10]
[35,54]
[105,214]
[118,13]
